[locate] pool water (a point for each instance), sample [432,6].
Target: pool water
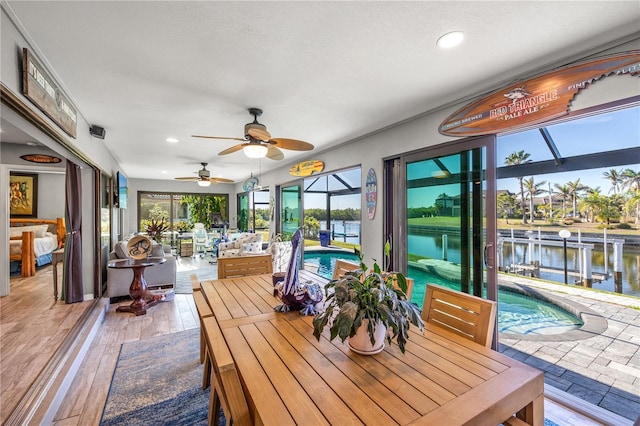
[517,313]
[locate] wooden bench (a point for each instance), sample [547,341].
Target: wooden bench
[226,389]
[229,267]
[204,311]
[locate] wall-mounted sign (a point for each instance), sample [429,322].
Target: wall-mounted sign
[536,100]
[371,193]
[250,184]
[41,158]
[43,91]
[306,168]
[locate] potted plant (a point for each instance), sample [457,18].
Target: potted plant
[155,228]
[366,301]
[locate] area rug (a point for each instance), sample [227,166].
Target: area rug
[183,278]
[157,381]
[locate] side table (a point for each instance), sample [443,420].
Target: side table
[138,287]
[56,256]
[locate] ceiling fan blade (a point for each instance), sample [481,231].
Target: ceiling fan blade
[260,134]
[274,153]
[186,179]
[217,137]
[231,150]
[220,180]
[292,144]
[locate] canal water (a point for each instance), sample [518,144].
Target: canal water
[431,246]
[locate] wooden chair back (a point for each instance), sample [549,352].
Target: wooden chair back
[463,314]
[241,266]
[226,388]
[343,266]
[410,282]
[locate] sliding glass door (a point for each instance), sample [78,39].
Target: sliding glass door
[443,214]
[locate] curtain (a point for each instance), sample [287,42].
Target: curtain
[72,272]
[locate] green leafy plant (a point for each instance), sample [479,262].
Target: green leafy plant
[371,295]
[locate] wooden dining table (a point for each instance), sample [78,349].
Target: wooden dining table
[289,377]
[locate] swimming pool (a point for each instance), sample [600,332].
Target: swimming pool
[517,313]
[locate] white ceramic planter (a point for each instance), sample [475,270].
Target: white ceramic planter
[361,343]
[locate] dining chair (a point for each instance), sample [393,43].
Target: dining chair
[466,315]
[226,391]
[343,266]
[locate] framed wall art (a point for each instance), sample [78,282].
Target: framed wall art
[23,195]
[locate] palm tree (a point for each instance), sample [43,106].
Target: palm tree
[533,189]
[565,192]
[615,177]
[506,202]
[592,204]
[574,189]
[514,159]
[631,180]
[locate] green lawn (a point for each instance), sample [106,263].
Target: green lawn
[454,222]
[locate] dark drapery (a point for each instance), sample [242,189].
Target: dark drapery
[72,275]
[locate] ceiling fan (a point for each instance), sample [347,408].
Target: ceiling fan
[258,143]
[204,177]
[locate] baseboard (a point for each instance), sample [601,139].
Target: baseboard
[585,408]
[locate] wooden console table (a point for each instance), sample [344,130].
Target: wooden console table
[56,256]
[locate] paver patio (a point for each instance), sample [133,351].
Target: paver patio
[603,369]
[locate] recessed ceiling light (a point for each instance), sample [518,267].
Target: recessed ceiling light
[164,172]
[451,39]
[32,144]
[172,140]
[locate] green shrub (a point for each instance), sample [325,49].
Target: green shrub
[623,225]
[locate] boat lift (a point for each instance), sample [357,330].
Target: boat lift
[584,246]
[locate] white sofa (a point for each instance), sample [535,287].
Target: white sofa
[119,280]
[243,244]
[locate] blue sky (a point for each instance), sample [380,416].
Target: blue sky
[598,133]
[605,132]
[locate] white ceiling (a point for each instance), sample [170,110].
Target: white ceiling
[323,72]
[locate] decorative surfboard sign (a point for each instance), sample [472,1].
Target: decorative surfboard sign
[306,168]
[371,193]
[536,100]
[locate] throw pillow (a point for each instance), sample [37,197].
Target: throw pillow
[38,230]
[121,250]
[252,248]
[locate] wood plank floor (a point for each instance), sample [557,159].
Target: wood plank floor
[85,400]
[32,327]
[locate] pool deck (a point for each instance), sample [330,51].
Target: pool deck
[604,368]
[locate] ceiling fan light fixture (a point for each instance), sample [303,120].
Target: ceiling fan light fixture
[204,183]
[255,150]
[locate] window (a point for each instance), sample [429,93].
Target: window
[181,211]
